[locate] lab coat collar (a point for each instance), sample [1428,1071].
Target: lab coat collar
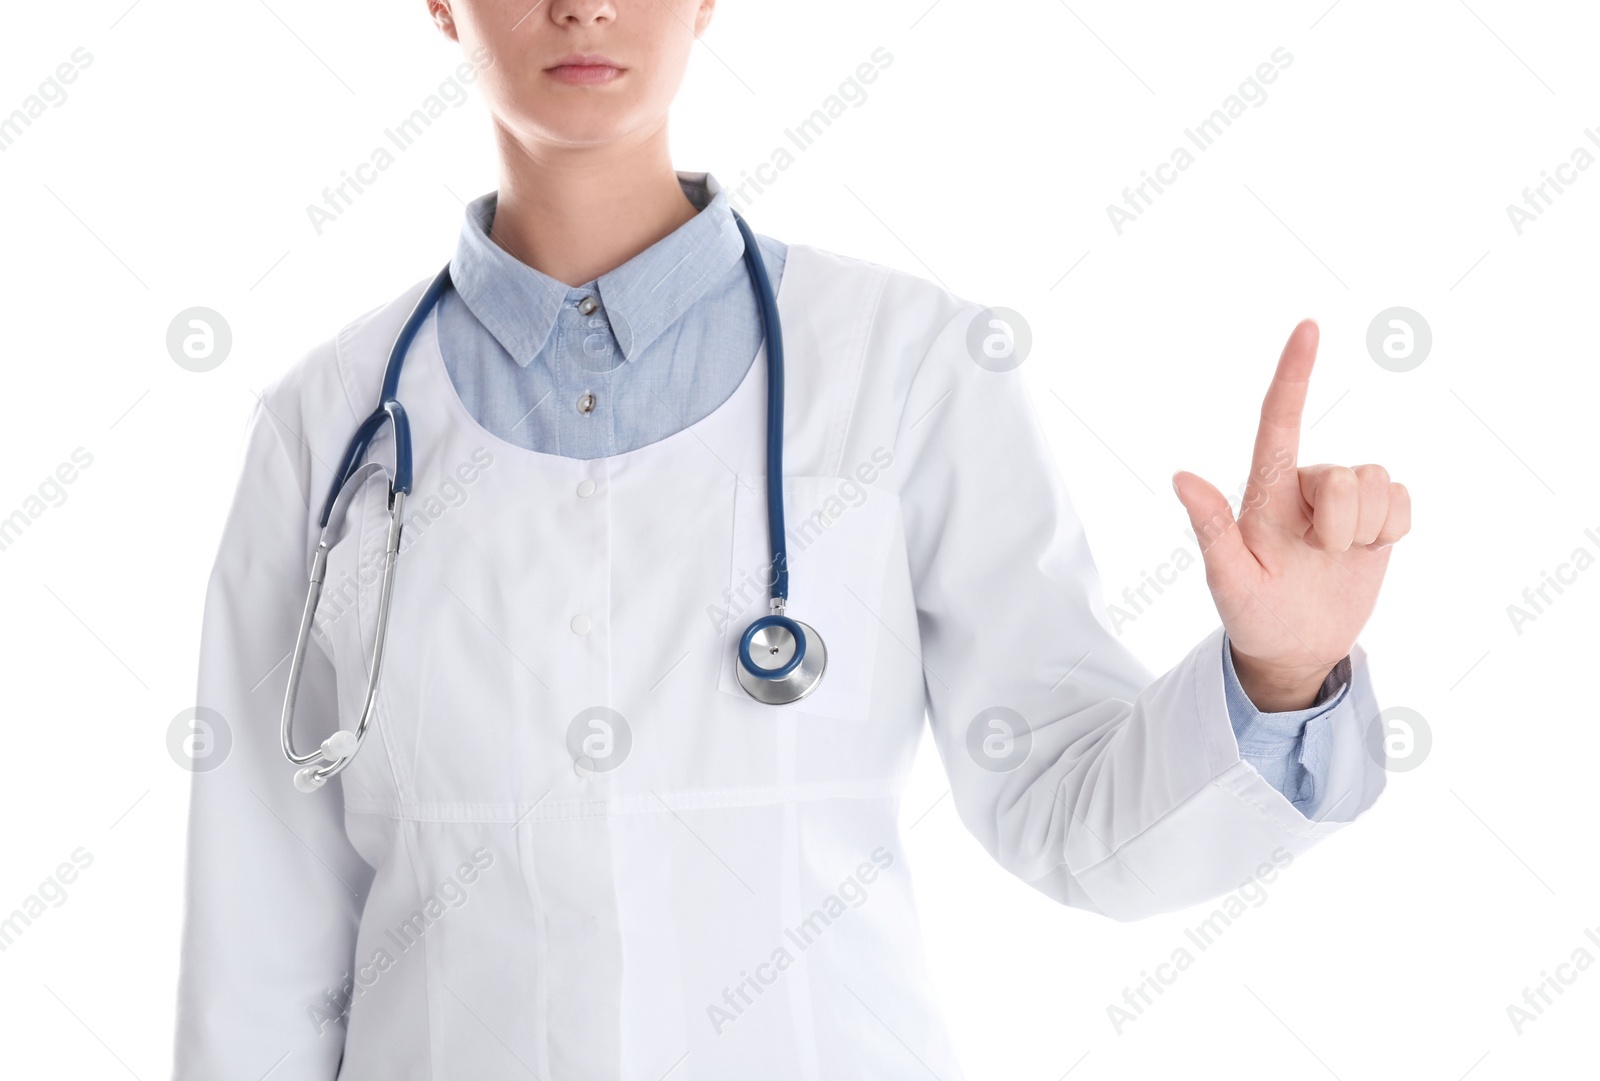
[641,298]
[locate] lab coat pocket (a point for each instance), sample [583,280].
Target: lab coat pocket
[838,532]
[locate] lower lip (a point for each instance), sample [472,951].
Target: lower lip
[584,74]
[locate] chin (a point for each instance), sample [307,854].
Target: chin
[591,125]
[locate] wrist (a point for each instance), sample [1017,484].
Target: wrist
[1275,688]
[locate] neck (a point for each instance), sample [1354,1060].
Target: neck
[575,213]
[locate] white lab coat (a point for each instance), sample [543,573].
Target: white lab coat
[733,897]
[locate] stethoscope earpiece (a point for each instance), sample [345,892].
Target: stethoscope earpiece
[336,750]
[781,660]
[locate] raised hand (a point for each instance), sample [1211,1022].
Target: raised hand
[1297,575]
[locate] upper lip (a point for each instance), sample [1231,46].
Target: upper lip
[585,60]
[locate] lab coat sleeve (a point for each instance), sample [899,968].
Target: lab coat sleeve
[273,887]
[1098,785]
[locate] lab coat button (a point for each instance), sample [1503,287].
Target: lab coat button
[580,624]
[586,404]
[585,488]
[588,305]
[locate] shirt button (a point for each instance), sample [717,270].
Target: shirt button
[580,624]
[585,488]
[587,305]
[586,404]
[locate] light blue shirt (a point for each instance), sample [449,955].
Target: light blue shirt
[627,359]
[651,347]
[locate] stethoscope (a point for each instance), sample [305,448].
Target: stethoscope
[780,659]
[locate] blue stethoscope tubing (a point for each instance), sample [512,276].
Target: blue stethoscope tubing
[780,660]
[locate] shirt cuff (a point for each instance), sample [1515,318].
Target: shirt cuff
[1290,749]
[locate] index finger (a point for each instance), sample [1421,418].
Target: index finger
[1278,438]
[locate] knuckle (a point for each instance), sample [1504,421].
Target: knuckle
[1340,481]
[1373,474]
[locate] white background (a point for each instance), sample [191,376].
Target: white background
[1377,173]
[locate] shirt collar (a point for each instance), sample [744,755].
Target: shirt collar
[640,298]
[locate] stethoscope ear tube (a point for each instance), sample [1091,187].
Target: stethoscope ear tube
[390,412]
[337,751]
[340,748]
[402,446]
[389,407]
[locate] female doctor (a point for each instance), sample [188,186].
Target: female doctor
[599,827]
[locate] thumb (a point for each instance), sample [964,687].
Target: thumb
[1221,544]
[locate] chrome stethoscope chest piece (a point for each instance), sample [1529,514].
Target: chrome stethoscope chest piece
[781,660]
